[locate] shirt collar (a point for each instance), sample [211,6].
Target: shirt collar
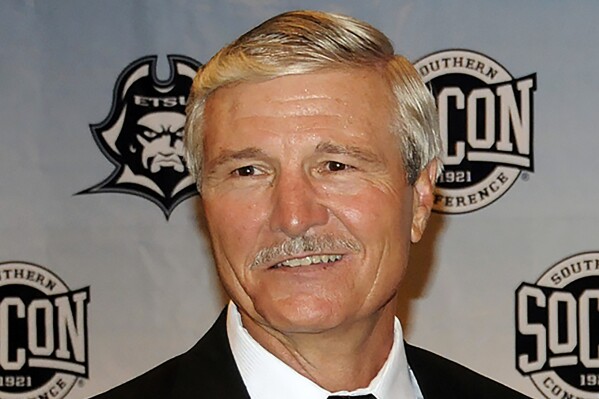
[267,377]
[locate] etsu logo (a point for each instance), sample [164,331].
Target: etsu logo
[43,333]
[486,124]
[143,133]
[557,336]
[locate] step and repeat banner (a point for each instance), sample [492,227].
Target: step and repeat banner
[104,268]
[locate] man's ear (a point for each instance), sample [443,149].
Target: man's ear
[424,188]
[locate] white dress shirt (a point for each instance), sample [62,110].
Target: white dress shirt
[267,377]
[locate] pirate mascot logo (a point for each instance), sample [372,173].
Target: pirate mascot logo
[143,134]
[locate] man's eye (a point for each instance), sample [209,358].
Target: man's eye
[246,171]
[334,166]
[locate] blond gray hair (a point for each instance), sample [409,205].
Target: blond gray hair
[300,42]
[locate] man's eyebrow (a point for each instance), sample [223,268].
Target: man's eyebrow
[230,155]
[357,152]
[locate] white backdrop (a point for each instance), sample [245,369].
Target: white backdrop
[152,288]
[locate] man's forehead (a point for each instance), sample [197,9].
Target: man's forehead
[302,94]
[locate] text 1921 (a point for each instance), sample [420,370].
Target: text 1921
[19,381]
[457,176]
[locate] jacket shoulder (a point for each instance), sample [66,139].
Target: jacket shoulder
[153,384]
[439,377]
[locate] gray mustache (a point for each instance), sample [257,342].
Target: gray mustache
[298,245]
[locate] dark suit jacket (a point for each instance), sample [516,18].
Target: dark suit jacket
[208,371]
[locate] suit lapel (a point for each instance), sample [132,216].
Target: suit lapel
[431,383]
[208,370]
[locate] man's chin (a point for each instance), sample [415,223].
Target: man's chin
[296,317]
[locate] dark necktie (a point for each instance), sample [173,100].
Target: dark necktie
[369,396]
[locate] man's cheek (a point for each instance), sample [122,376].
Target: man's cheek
[232,242]
[360,214]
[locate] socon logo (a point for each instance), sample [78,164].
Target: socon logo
[43,333]
[143,133]
[557,336]
[486,123]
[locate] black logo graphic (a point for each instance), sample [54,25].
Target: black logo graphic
[143,133]
[557,329]
[486,123]
[43,333]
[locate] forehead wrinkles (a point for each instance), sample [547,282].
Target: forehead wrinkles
[335,85]
[246,105]
[358,101]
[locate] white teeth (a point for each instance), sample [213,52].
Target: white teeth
[310,260]
[306,261]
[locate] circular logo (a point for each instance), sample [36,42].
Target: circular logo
[43,332]
[557,339]
[485,120]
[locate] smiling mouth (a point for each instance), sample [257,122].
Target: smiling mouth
[308,260]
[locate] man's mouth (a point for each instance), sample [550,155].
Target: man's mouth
[308,260]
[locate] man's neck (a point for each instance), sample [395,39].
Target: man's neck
[344,358]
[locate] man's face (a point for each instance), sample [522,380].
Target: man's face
[309,156]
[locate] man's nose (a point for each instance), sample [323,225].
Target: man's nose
[296,205]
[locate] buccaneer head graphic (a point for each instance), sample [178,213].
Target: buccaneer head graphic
[143,133]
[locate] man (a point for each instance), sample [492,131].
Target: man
[315,152]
